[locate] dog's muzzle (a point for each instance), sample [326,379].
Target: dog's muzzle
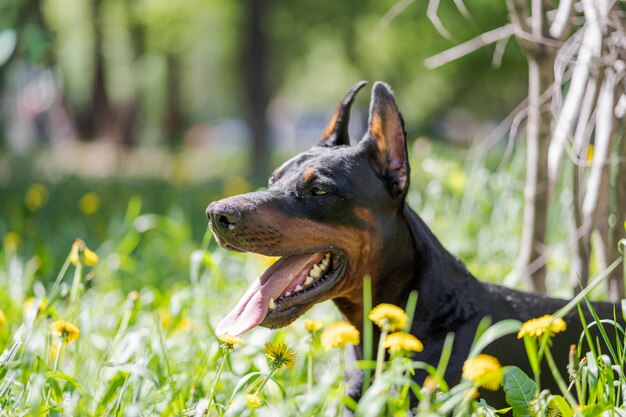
[223,216]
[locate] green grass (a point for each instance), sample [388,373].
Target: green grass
[146,309]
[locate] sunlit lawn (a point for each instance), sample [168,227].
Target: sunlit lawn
[146,308]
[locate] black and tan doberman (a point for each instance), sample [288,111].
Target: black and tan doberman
[337,213]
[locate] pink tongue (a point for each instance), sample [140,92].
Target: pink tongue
[252,308]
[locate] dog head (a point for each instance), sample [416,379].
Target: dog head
[325,213]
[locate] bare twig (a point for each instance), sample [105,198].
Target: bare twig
[431,12]
[562,67]
[562,20]
[500,130]
[463,9]
[604,129]
[498,52]
[470,46]
[582,133]
[485,39]
[589,52]
[519,14]
[391,14]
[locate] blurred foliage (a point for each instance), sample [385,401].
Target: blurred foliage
[315,51]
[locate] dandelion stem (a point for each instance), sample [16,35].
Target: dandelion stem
[57,359]
[78,272]
[309,376]
[217,379]
[368,332]
[264,381]
[57,282]
[380,357]
[559,379]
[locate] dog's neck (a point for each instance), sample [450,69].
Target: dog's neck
[415,260]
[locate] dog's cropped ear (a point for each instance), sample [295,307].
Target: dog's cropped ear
[386,139]
[336,132]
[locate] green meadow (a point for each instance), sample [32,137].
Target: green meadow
[123,326]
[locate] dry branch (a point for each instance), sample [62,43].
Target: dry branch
[470,46]
[589,53]
[562,20]
[431,12]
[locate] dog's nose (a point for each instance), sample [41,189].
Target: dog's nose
[222,215]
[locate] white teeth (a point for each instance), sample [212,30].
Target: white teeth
[288,293]
[272,304]
[309,281]
[298,288]
[316,271]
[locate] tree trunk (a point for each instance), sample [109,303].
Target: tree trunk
[256,87]
[173,116]
[536,191]
[541,54]
[618,232]
[96,118]
[101,112]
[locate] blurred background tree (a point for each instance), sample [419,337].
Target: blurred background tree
[148,72]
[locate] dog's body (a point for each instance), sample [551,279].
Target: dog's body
[337,213]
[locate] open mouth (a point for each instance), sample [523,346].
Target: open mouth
[284,290]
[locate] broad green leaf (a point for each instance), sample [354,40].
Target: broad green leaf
[561,403]
[519,390]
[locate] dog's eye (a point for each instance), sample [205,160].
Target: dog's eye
[317,191]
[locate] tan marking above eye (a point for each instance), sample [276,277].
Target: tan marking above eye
[309,174]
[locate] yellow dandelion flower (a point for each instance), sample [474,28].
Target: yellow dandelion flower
[3,320]
[66,331]
[389,316]
[89,203]
[397,342]
[29,302]
[253,401]
[36,196]
[80,253]
[430,383]
[91,258]
[537,327]
[484,371]
[339,335]
[265,261]
[11,241]
[230,341]
[77,247]
[312,326]
[280,355]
